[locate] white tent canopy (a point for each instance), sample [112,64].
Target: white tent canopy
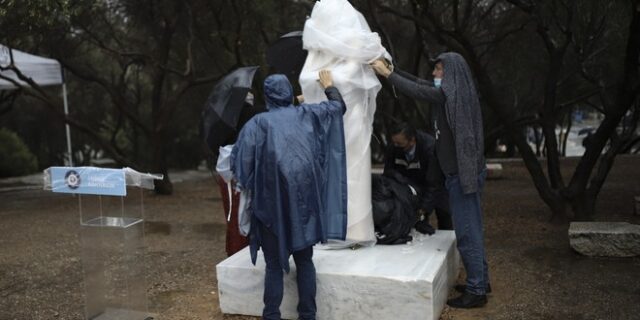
[43,71]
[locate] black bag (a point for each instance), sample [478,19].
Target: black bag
[394,208]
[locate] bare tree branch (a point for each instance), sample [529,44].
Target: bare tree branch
[36,91]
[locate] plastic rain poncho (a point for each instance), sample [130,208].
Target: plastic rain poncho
[293,161]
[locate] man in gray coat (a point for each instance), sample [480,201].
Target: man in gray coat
[457,122]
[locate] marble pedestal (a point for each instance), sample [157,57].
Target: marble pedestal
[405,282]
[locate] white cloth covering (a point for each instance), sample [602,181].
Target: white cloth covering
[338,38]
[223,168]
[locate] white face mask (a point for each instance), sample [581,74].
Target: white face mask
[437,82]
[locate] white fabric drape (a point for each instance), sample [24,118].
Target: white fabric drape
[223,168]
[338,38]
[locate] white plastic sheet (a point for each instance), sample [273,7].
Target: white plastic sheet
[338,38]
[223,168]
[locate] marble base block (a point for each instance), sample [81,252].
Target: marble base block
[605,239]
[395,282]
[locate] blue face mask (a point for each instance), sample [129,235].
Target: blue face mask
[437,82]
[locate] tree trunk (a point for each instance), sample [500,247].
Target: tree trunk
[565,138]
[583,206]
[538,137]
[511,148]
[558,207]
[548,121]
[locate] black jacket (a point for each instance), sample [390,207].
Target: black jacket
[422,172]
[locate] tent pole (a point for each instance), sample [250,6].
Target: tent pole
[66,125]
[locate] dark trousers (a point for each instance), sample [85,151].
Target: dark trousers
[466,211]
[273,282]
[443,213]
[444,218]
[234,241]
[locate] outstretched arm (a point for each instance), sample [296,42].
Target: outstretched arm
[411,77]
[417,90]
[420,89]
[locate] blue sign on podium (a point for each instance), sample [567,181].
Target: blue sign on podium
[88,180]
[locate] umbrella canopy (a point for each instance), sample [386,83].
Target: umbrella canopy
[223,109]
[287,56]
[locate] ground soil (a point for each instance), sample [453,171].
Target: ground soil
[534,272]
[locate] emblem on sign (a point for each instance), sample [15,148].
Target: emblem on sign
[72,179]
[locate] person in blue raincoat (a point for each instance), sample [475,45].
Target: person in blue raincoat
[292,160]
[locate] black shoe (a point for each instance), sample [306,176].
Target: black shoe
[468,300]
[463,287]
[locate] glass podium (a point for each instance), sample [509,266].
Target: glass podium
[111,212]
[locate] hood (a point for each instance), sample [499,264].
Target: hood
[457,74]
[278,92]
[465,119]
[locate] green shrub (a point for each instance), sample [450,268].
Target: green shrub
[15,157]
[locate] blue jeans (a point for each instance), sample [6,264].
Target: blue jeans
[466,211]
[273,282]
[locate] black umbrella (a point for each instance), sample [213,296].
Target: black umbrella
[219,123]
[287,56]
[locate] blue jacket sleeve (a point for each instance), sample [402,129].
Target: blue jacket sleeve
[335,98]
[329,109]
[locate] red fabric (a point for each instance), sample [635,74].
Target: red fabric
[235,241]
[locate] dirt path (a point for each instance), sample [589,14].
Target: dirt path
[534,273]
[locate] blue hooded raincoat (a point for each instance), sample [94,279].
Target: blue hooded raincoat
[293,161]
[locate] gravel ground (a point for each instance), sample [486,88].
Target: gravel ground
[535,274]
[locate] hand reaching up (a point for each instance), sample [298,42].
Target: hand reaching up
[381,67]
[326,80]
